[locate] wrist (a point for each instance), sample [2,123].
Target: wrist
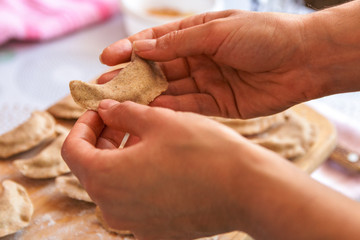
[278,201]
[332,49]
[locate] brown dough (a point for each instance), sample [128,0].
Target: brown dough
[39,127]
[71,187]
[291,139]
[286,133]
[16,208]
[66,108]
[252,126]
[141,81]
[47,164]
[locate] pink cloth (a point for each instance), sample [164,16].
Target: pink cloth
[46,19]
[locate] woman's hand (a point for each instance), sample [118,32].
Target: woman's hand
[175,182]
[186,176]
[231,63]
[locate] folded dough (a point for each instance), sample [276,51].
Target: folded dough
[140,81]
[39,127]
[291,139]
[47,164]
[16,208]
[253,126]
[71,187]
[285,133]
[66,108]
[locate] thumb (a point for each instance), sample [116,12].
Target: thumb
[180,43]
[128,116]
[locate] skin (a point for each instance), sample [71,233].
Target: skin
[195,176]
[274,60]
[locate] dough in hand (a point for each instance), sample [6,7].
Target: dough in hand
[71,187]
[39,127]
[140,81]
[16,208]
[47,164]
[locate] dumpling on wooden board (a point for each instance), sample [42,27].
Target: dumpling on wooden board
[290,140]
[39,127]
[16,208]
[285,133]
[71,187]
[47,164]
[66,108]
[253,126]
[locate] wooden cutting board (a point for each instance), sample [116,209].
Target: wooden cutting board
[59,217]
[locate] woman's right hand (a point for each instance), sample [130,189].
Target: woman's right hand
[245,64]
[231,63]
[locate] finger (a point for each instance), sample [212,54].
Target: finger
[176,69]
[121,50]
[198,103]
[132,140]
[110,138]
[182,43]
[182,86]
[104,78]
[127,116]
[113,139]
[187,22]
[116,53]
[88,128]
[79,145]
[173,70]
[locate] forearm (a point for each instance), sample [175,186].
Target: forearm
[285,203]
[332,48]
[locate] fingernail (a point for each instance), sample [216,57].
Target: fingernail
[100,58]
[144,45]
[107,103]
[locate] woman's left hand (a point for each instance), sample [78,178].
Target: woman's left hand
[173,181]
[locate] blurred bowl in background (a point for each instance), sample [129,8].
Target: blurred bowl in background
[142,14]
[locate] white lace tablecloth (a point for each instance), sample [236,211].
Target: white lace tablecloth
[36,75]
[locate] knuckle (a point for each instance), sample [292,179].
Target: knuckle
[171,38]
[206,17]
[150,113]
[215,26]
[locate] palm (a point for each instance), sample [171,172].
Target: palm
[230,67]
[242,76]
[212,88]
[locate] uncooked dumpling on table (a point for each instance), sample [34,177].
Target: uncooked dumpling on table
[253,126]
[39,127]
[47,164]
[16,208]
[291,139]
[66,108]
[285,133]
[71,187]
